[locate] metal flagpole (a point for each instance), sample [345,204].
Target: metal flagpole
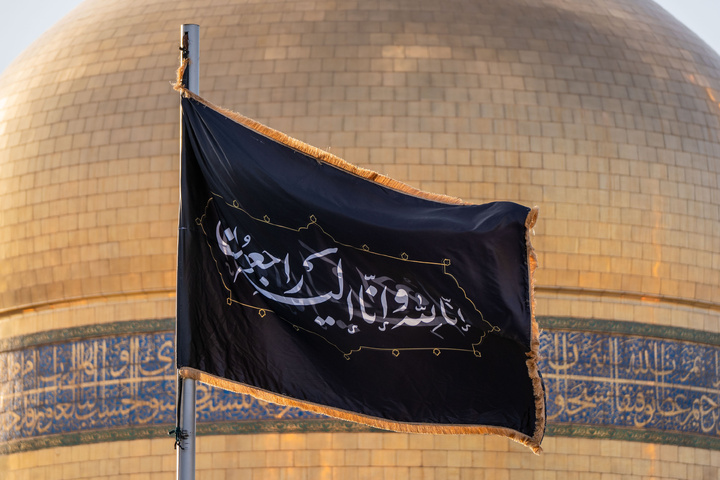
[190,46]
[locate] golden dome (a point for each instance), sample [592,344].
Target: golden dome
[604,114]
[607,118]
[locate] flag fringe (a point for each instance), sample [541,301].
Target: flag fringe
[534,355]
[330,159]
[401,427]
[314,152]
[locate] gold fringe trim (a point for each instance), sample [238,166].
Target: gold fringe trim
[314,152]
[534,355]
[375,422]
[330,159]
[178,85]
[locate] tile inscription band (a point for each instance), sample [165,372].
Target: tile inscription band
[655,383]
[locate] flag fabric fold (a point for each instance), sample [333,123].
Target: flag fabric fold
[306,281]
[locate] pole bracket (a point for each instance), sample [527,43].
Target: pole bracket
[184,46]
[180,436]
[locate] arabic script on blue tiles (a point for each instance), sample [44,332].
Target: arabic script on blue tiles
[105,383]
[629,381]
[129,380]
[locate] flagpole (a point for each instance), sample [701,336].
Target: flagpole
[190,46]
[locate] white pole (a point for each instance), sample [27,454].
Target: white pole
[186,448]
[190,45]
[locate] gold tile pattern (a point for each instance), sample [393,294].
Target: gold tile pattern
[369,456]
[605,114]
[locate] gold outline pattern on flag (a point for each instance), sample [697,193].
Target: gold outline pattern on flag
[365,249]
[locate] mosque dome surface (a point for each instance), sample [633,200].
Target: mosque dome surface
[605,114]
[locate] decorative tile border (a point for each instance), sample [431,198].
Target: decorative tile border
[108,382]
[605,379]
[617,327]
[323,425]
[161,431]
[597,379]
[86,332]
[633,435]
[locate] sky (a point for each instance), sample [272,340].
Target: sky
[25,20]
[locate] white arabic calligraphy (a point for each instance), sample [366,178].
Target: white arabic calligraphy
[377,300]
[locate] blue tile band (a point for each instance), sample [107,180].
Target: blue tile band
[595,380]
[122,381]
[628,381]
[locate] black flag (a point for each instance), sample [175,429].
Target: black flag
[306,281]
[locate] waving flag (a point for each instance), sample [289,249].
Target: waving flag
[306,281]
